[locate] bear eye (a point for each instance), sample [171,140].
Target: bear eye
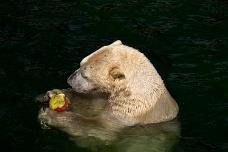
[84,76]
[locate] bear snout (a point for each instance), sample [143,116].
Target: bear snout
[77,82]
[72,77]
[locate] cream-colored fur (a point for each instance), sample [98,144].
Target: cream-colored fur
[137,94]
[115,87]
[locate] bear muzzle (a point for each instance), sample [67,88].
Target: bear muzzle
[79,83]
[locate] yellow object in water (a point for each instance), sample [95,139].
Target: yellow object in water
[58,102]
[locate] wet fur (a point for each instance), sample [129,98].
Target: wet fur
[134,94]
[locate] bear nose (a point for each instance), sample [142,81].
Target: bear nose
[71,77]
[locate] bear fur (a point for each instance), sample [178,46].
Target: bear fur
[137,92]
[134,93]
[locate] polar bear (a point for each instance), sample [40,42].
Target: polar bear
[134,92]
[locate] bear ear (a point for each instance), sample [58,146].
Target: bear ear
[116,74]
[117,42]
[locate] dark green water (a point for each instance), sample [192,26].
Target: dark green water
[43,41]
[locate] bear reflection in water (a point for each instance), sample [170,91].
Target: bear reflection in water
[160,137]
